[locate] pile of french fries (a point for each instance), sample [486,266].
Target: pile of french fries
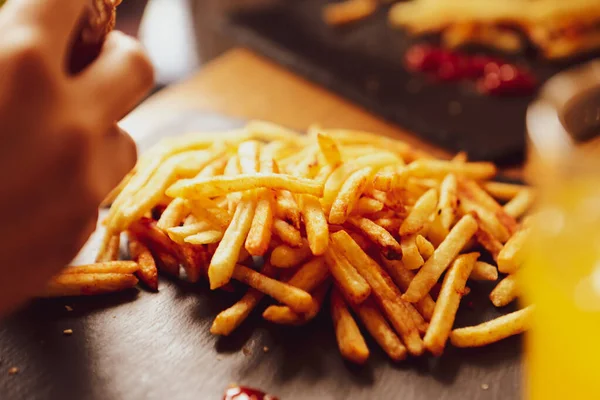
[390,235]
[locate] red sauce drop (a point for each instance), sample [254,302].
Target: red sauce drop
[246,393]
[494,76]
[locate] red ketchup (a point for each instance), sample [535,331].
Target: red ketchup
[246,393]
[493,76]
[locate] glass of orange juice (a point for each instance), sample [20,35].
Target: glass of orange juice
[562,274]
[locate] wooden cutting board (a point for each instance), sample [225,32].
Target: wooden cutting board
[140,345]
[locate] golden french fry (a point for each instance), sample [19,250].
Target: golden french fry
[486,218]
[179,233]
[483,271]
[348,11]
[229,319]
[106,267]
[287,233]
[487,240]
[259,236]
[411,257]
[505,291]
[208,211]
[378,327]
[174,214]
[494,330]
[460,157]
[317,229]
[436,232]
[519,204]
[402,278]
[448,202]
[88,284]
[349,194]
[385,292]
[110,248]
[330,149]
[430,168]
[360,240]
[391,199]
[232,169]
[287,209]
[205,237]
[284,256]
[350,341]
[268,131]
[214,168]
[512,255]
[471,190]
[284,315]
[420,213]
[223,261]
[147,272]
[448,302]
[389,247]
[351,136]
[298,300]
[431,271]
[167,263]
[112,196]
[501,190]
[425,247]
[367,205]
[221,185]
[247,153]
[389,224]
[354,286]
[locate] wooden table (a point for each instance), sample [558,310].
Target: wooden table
[245,85]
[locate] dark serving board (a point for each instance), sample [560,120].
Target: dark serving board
[140,345]
[364,62]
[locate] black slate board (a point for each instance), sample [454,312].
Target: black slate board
[140,345]
[364,62]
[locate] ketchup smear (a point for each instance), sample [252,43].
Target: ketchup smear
[493,76]
[246,393]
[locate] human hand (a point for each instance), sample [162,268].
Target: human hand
[61,151]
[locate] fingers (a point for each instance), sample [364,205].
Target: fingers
[56,19]
[114,156]
[121,76]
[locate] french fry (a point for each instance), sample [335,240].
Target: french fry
[420,213]
[430,168]
[231,318]
[112,195]
[436,232]
[487,240]
[88,284]
[433,268]
[268,131]
[411,257]
[350,341]
[505,292]
[472,191]
[110,251]
[367,205]
[208,211]
[501,190]
[284,256]
[221,185]
[259,236]
[223,261]
[389,224]
[178,234]
[106,267]
[232,169]
[385,292]
[166,262]
[174,214]
[147,272]
[146,231]
[352,136]
[424,246]
[284,315]
[348,196]
[317,229]
[493,331]
[512,255]
[519,204]
[350,282]
[378,327]
[483,271]
[348,11]
[329,149]
[448,302]
[298,300]
[287,209]
[386,243]
[193,261]
[247,153]
[287,233]
[360,240]
[204,237]
[448,202]
[486,218]
[402,278]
